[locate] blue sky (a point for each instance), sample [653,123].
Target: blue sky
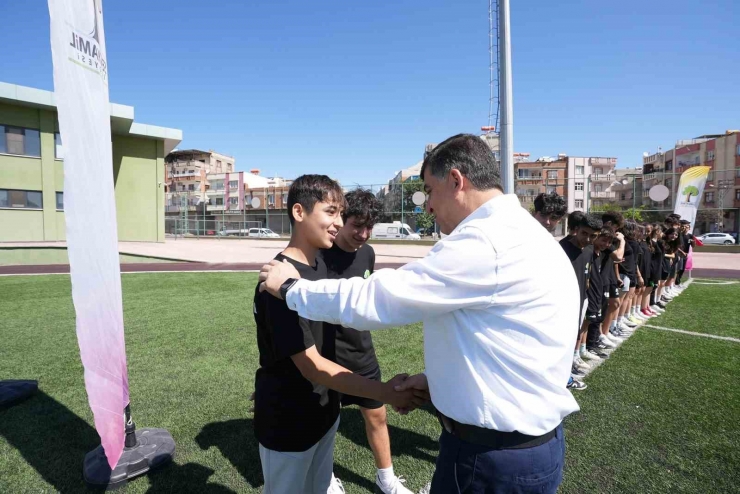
[355,89]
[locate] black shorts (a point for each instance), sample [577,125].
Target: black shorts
[672,272]
[614,290]
[346,400]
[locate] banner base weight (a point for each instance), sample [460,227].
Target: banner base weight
[154,448]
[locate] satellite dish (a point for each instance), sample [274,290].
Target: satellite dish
[659,193]
[255,202]
[419,198]
[645,154]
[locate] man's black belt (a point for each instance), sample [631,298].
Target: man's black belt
[492,438]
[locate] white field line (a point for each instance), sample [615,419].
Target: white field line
[683,331]
[147,272]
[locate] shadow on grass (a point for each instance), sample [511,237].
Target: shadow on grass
[54,441]
[403,442]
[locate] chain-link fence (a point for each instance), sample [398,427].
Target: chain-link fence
[629,192]
[192,213]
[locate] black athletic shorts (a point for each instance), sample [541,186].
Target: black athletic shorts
[672,272]
[346,400]
[614,290]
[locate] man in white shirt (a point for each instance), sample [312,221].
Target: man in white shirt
[499,301]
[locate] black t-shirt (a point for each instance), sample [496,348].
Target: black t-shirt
[595,290]
[608,278]
[687,240]
[581,261]
[355,349]
[290,412]
[627,266]
[656,260]
[645,259]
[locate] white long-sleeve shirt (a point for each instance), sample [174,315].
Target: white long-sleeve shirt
[500,306]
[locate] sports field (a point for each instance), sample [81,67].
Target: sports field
[661,415]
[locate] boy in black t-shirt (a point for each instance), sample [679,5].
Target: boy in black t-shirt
[296,412]
[549,210]
[598,297]
[350,256]
[614,221]
[577,247]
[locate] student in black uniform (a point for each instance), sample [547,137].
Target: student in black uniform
[656,265]
[577,247]
[645,269]
[687,241]
[628,277]
[614,221]
[598,298]
[350,256]
[296,412]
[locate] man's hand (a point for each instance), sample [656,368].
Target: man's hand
[274,274]
[619,235]
[417,383]
[403,399]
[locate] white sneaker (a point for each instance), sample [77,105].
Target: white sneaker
[604,340]
[394,487]
[657,309]
[580,364]
[614,338]
[586,355]
[628,323]
[427,489]
[336,486]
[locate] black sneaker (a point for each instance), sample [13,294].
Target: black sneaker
[598,351]
[577,385]
[575,371]
[662,305]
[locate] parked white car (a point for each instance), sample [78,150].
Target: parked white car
[394,231]
[717,238]
[262,233]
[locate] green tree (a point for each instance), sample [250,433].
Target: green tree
[690,191]
[423,219]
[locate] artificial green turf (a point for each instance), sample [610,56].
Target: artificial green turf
[705,308]
[54,255]
[192,356]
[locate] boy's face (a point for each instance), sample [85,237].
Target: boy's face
[321,225]
[355,232]
[602,242]
[549,221]
[584,236]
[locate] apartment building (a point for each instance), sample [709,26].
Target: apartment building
[590,181]
[543,175]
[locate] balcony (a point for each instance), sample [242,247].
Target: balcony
[649,176]
[609,177]
[526,199]
[603,195]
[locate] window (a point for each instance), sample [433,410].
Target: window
[710,155]
[737,195]
[218,164]
[579,185]
[233,184]
[234,201]
[551,190]
[669,182]
[219,185]
[710,177]
[597,188]
[392,230]
[709,197]
[622,196]
[285,199]
[191,171]
[271,199]
[16,140]
[669,165]
[20,199]
[597,171]
[219,201]
[579,170]
[191,186]
[60,201]
[229,167]
[552,174]
[579,203]
[737,172]
[737,151]
[58,149]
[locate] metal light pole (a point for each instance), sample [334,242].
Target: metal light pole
[506,133]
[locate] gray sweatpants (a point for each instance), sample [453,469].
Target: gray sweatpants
[305,472]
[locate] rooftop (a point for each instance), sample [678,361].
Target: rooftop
[121,116]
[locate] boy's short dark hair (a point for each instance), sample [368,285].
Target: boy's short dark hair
[468,154]
[614,217]
[592,221]
[363,205]
[575,219]
[606,232]
[629,229]
[307,190]
[685,222]
[550,204]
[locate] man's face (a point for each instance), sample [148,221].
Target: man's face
[441,201]
[602,242]
[584,236]
[355,232]
[549,221]
[685,228]
[322,224]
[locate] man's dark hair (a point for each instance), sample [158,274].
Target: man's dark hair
[592,221]
[575,219]
[363,205]
[550,204]
[468,154]
[307,190]
[685,222]
[614,217]
[629,229]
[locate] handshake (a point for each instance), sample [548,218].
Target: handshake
[406,393]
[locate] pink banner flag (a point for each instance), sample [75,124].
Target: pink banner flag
[690,259]
[81,94]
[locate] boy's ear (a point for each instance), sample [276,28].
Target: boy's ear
[298,212]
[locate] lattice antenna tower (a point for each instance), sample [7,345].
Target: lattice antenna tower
[494,105]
